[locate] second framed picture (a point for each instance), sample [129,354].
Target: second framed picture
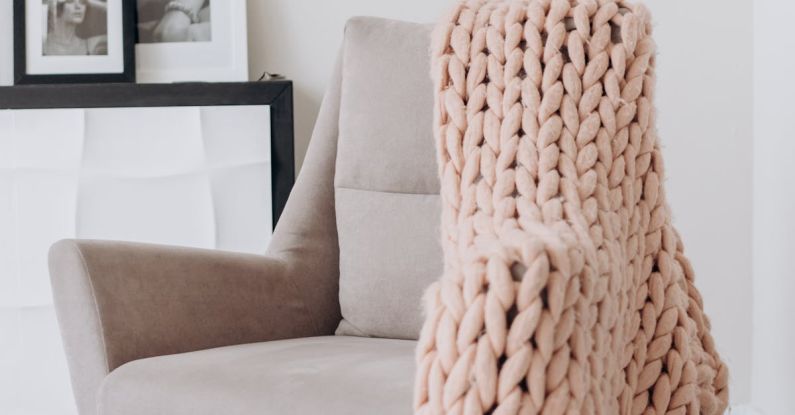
[74,41]
[191,40]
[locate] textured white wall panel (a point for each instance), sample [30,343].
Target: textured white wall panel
[174,210]
[33,372]
[48,139]
[143,142]
[41,375]
[243,143]
[45,212]
[9,345]
[237,194]
[6,140]
[9,262]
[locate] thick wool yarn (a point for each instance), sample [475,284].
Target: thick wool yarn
[565,290]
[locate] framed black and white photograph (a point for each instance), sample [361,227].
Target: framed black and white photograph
[191,40]
[68,41]
[167,21]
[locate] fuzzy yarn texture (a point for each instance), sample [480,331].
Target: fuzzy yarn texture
[565,289]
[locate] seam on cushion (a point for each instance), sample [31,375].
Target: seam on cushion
[362,333]
[96,305]
[393,192]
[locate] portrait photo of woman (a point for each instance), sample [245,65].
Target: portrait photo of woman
[75,27]
[74,41]
[170,21]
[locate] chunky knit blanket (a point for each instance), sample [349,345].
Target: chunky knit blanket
[566,290]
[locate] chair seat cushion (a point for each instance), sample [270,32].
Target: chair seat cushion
[320,375]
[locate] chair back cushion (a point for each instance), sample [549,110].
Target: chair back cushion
[386,183]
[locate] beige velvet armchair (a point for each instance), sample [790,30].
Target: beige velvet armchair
[168,330]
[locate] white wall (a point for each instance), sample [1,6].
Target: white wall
[774,208]
[301,38]
[705,105]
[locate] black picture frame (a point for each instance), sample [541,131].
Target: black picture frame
[21,76]
[277,94]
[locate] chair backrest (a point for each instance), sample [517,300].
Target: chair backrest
[366,210]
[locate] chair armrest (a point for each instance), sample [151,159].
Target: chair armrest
[118,302]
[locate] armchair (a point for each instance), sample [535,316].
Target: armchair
[167,330]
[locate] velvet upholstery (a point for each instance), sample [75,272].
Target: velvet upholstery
[387,187]
[117,302]
[132,314]
[123,302]
[332,375]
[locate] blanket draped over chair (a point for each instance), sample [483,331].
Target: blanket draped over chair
[565,290]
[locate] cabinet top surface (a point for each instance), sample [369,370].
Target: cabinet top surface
[142,95]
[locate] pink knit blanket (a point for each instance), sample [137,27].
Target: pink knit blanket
[566,289]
